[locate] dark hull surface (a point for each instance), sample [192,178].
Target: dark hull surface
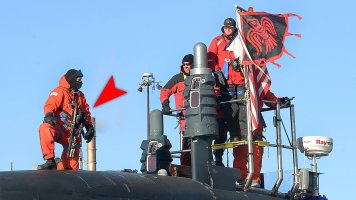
[109,185]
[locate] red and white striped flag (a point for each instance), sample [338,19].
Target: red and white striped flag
[259,84]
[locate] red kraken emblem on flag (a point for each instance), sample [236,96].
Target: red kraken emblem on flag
[262,32]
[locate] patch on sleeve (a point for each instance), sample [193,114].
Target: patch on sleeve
[53,94]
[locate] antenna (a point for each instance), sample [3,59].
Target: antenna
[148,81]
[313,147]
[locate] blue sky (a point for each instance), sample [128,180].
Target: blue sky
[41,40]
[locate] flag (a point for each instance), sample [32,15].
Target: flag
[263,36]
[259,84]
[259,41]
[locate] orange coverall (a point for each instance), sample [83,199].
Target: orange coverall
[241,153]
[58,103]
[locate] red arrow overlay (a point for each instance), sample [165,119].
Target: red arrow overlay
[109,93]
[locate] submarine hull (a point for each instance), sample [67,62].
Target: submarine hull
[109,185]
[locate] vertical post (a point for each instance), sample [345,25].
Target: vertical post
[314,165]
[91,150]
[315,177]
[249,137]
[201,156]
[294,149]
[148,108]
[277,122]
[11,166]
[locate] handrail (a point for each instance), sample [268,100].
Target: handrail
[295,157]
[277,122]
[293,146]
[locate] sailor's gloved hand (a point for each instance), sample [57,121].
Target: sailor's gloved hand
[90,133]
[236,65]
[180,114]
[49,118]
[166,110]
[285,102]
[219,78]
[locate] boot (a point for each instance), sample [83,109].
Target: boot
[255,184]
[50,164]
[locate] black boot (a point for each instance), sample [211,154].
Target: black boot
[50,164]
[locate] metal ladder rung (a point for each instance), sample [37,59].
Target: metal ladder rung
[236,144]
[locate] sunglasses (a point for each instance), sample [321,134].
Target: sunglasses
[186,64]
[229,27]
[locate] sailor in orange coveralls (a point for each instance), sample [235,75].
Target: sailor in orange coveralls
[56,127]
[241,153]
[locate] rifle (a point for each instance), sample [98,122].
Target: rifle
[74,133]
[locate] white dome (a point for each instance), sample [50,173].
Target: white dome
[315,145]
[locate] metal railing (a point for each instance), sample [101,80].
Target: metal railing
[278,123]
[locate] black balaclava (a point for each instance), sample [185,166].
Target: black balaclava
[71,77]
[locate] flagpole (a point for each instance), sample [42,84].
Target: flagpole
[249,133]
[248,115]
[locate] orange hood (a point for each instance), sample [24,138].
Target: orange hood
[63,82]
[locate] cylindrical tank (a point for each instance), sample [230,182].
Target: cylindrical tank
[200,98]
[156,124]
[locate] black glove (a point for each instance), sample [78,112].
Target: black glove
[236,65]
[81,117]
[219,78]
[166,110]
[219,99]
[285,102]
[49,118]
[90,133]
